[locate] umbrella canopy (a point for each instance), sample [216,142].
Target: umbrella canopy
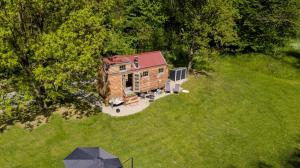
[92,157]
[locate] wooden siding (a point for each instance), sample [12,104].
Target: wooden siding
[154,80]
[115,69]
[115,85]
[115,78]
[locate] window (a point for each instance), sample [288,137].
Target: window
[122,67]
[161,70]
[145,73]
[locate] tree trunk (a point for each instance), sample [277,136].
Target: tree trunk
[103,84]
[189,68]
[191,54]
[20,44]
[37,90]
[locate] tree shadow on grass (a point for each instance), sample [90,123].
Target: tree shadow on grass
[294,54]
[259,164]
[33,116]
[231,166]
[293,160]
[83,105]
[262,164]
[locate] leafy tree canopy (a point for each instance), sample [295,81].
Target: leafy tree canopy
[51,49]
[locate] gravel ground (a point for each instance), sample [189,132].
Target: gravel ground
[130,109]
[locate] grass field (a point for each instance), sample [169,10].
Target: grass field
[247,113]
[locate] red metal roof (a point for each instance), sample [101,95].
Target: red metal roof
[149,59]
[116,60]
[145,60]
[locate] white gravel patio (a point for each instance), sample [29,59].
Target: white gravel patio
[130,109]
[142,104]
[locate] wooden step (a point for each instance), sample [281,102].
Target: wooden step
[131,102]
[131,99]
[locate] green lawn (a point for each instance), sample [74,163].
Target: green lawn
[241,116]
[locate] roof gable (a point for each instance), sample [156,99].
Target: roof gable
[83,154]
[89,153]
[145,60]
[117,59]
[149,59]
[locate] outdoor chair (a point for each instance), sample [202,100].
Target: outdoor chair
[152,96]
[143,95]
[158,91]
[168,87]
[176,89]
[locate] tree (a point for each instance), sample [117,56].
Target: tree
[266,24]
[21,25]
[142,23]
[198,26]
[49,50]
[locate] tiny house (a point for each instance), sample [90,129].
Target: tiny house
[133,74]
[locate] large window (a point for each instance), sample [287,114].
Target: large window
[161,70]
[145,73]
[122,67]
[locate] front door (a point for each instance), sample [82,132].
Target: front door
[129,81]
[136,82]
